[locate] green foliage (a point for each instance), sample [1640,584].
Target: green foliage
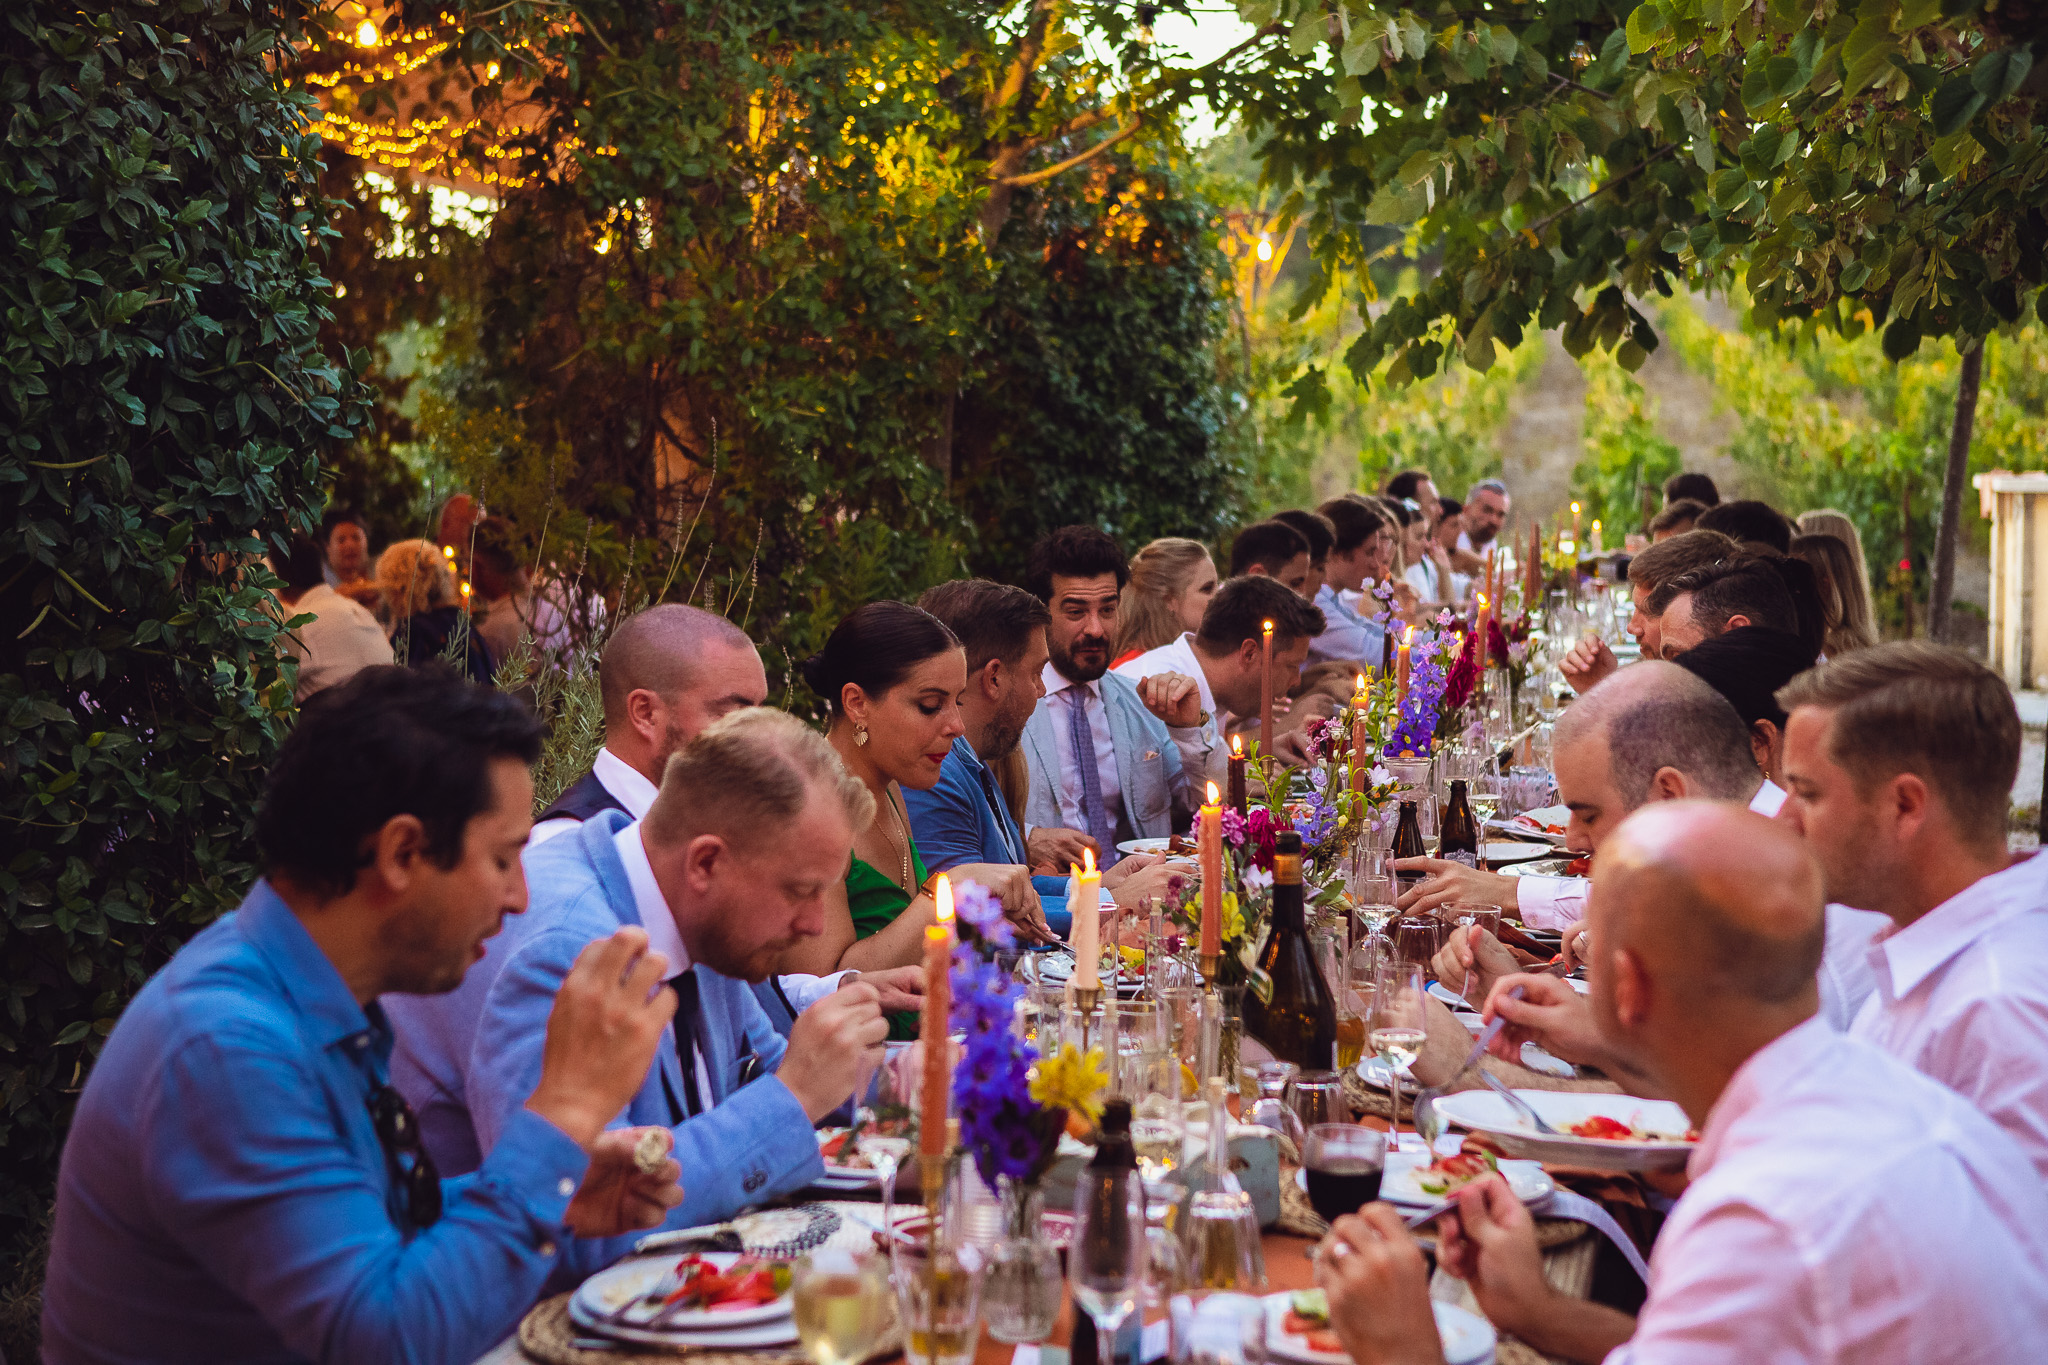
[1099,391]
[1446,425]
[1625,457]
[161,404]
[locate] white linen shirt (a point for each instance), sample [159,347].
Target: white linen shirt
[1058,685]
[660,923]
[1843,1208]
[627,784]
[1203,757]
[1962,996]
[342,639]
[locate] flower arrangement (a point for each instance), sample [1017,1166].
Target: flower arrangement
[1415,729]
[1005,1125]
[1507,648]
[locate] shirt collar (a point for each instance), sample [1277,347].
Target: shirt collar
[308,978]
[655,916]
[1910,955]
[1767,1072]
[1056,681]
[625,782]
[970,761]
[1768,799]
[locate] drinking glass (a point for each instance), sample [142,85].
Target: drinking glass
[1221,1328]
[1106,1264]
[1317,1097]
[1470,914]
[1343,1162]
[1221,1241]
[886,1126]
[841,1302]
[1484,793]
[1398,1027]
[1268,1081]
[939,1295]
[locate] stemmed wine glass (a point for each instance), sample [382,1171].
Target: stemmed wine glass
[885,1127]
[1398,1028]
[1107,1262]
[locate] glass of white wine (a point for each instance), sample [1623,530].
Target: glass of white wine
[886,1126]
[1398,1028]
[841,1305]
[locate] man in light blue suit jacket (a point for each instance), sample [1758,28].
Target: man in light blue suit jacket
[723,887]
[1104,763]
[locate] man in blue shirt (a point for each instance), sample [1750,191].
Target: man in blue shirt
[1363,551]
[240,1182]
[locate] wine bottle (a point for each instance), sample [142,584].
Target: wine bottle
[1290,1008]
[1104,1197]
[1408,844]
[1459,840]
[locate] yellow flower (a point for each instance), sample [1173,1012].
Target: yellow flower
[1134,958]
[1233,917]
[1070,1080]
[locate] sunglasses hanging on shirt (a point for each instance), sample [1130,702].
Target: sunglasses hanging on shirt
[398,1131]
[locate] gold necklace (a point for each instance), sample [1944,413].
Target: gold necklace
[903,879]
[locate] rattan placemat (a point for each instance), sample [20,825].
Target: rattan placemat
[1298,1217]
[546,1334]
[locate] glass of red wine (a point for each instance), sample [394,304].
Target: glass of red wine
[1342,1163]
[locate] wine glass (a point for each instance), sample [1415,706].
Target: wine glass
[1484,792]
[841,1304]
[886,1125]
[1343,1162]
[1106,1264]
[1398,1027]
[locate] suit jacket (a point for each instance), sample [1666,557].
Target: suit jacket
[753,1144]
[1148,765]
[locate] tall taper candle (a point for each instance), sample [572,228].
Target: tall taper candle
[1086,935]
[1361,762]
[1485,616]
[1401,678]
[1240,791]
[1266,693]
[936,1025]
[1209,848]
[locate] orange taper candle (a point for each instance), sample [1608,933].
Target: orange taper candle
[1266,693]
[935,1027]
[1209,847]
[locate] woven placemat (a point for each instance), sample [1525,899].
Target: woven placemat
[546,1334]
[1364,1099]
[1299,1218]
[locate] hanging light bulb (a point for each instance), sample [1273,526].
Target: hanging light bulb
[1582,56]
[366,34]
[491,72]
[1265,247]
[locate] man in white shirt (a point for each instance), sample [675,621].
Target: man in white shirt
[1224,659]
[1485,512]
[1364,545]
[341,639]
[1653,732]
[1590,660]
[1841,1208]
[1900,759]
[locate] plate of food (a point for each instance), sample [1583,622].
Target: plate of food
[711,1298]
[1546,866]
[1178,845]
[1599,1131]
[1500,854]
[846,1166]
[1298,1329]
[1547,823]
[1411,1180]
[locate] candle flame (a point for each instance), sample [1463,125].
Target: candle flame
[1214,795]
[1087,862]
[1269,627]
[1482,596]
[1361,682]
[1237,746]
[1408,638]
[1575,509]
[943,893]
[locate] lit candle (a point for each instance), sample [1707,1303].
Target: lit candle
[1597,547]
[1209,846]
[936,1025]
[1575,523]
[1240,795]
[1087,931]
[1401,678]
[1492,586]
[1360,762]
[1485,615]
[1266,691]
[1535,566]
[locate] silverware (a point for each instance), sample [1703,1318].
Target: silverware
[1518,1104]
[897,1234]
[1423,1113]
[1430,1214]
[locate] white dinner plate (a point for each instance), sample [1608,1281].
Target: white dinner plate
[605,1293]
[1532,827]
[1448,996]
[1401,1182]
[1517,852]
[1546,866]
[1373,1072]
[1130,846]
[1483,1111]
[1467,1338]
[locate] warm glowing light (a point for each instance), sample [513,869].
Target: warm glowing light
[1237,746]
[366,34]
[465,589]
[1482,596]
[604,244]
[1214,796]
[491,72]
[1268,627]
[1265,248]
[1409,638]
[448,550]
[1088,860]
[1575,509]
[943,894]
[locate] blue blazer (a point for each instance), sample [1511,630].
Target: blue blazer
[753,1144]
[1147,763]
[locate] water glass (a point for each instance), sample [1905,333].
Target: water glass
[1218,1329]
[1106,1263]
[1317,1097]
[1470,914]
[939,1295]
[841,1304]
[1268,1082]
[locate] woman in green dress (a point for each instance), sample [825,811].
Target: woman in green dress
[893,676]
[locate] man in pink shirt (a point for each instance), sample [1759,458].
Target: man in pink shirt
[1900,760]
[1842,1207]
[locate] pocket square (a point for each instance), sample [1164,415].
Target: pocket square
[1151,754]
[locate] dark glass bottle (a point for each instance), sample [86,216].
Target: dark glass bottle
[1408,844]
[1106,1183]
[1289,1007]
[1458,841]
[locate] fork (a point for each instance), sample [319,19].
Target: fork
[1518,1104]
[1423,1112]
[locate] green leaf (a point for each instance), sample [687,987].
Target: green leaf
[1868,49]
[1901,339]
[1955,104]
[1999,72]
[1647,26]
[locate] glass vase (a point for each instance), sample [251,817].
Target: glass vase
[1020,1293]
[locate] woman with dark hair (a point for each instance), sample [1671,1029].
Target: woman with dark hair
[892,676]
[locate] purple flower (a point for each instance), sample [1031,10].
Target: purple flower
[1008,1132]
[977,907]
[1233,826]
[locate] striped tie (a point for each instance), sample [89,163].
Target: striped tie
[1094,814]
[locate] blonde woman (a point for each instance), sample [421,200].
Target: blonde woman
[426,614]
[1844,593]
[1171,583]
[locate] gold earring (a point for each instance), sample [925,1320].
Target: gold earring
[860,734]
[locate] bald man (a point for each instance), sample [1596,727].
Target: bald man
[1842,1207]
[665,675]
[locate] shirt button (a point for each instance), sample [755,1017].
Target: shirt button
[547,1248]
[565,1187]
[362,1042]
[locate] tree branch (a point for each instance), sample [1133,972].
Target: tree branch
[1628,174]
[1029,49]
[1056,168]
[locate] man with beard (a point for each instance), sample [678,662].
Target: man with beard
[1486,511]
[666,674]
[240,1182]
[1105,765]
[753,823]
